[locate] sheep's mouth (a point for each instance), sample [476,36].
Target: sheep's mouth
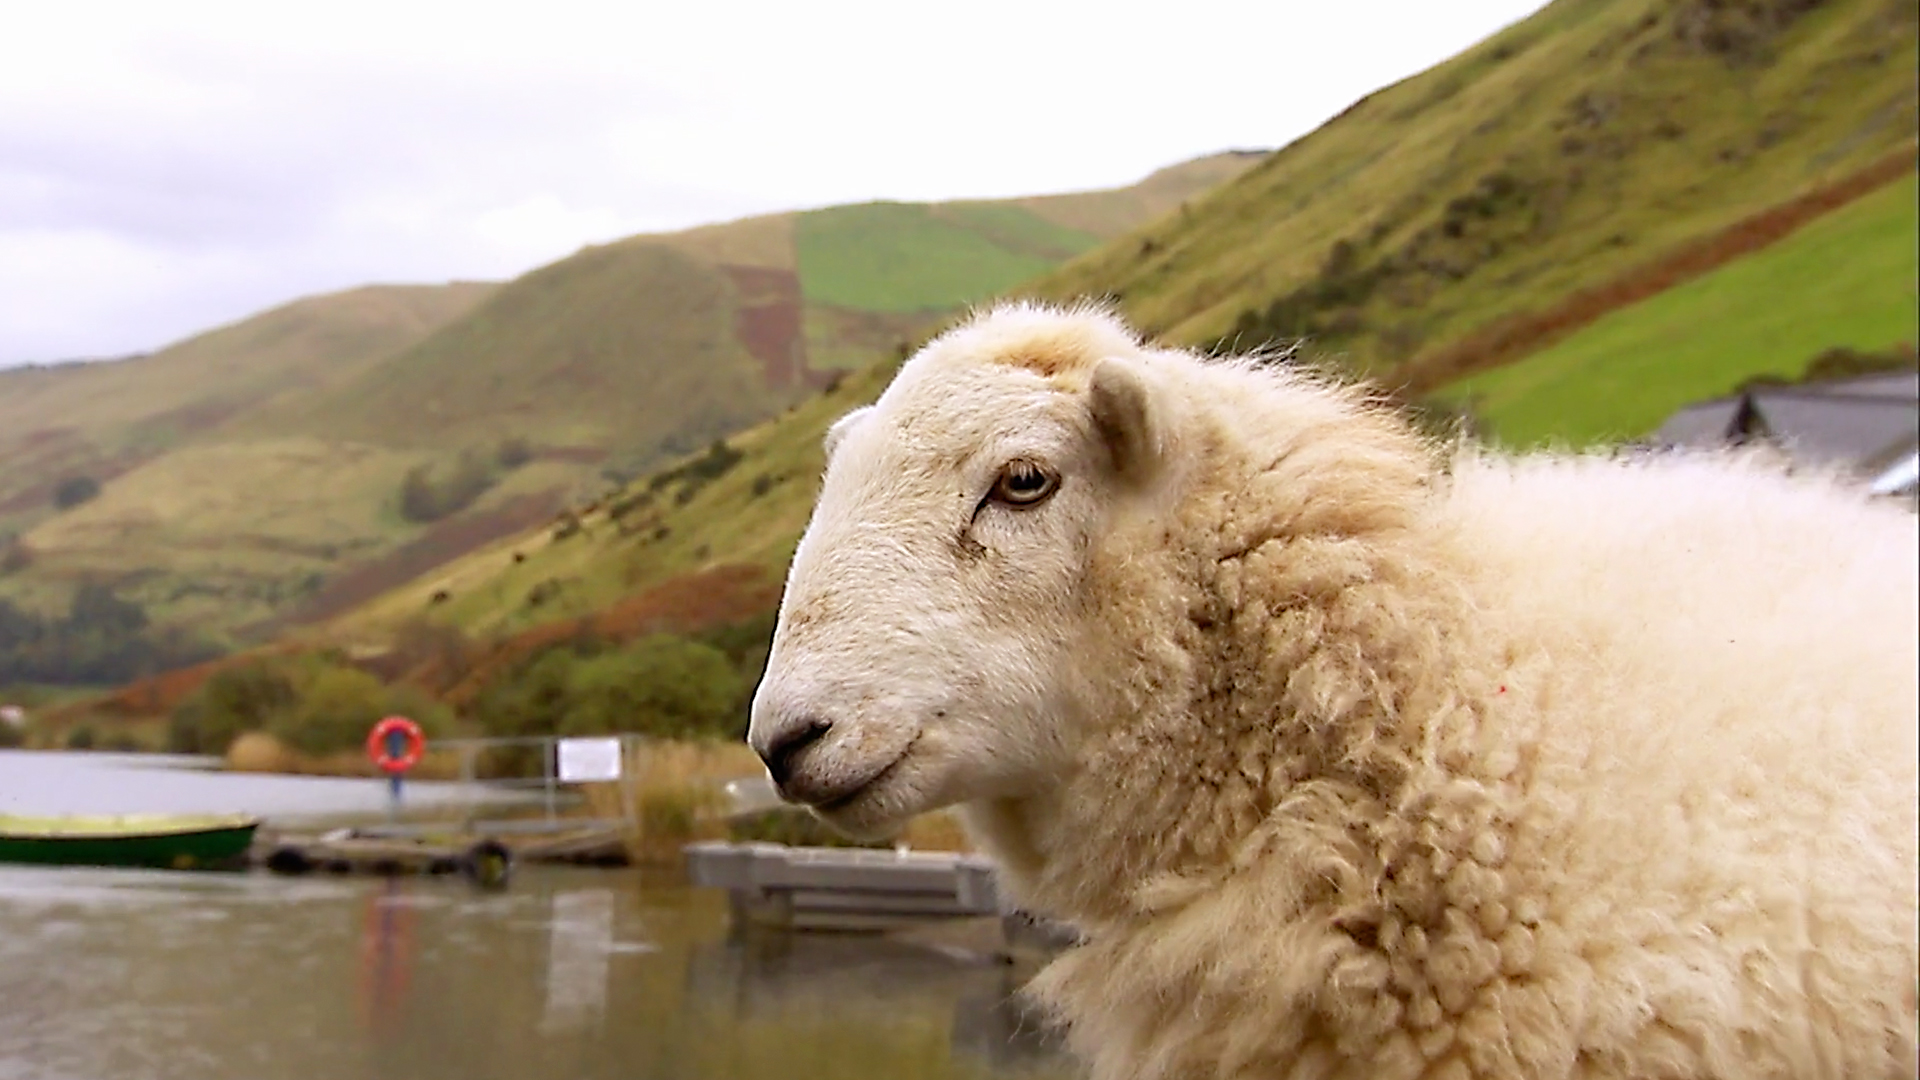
[866,787]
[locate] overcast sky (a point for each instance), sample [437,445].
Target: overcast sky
[166,167]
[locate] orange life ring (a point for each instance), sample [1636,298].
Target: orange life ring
[380,748]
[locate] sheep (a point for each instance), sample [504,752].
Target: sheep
[1352,753]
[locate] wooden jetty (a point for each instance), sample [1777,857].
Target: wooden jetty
[486,858]
[843,889]
[481,860]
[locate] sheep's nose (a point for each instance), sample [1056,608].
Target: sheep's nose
[786,744]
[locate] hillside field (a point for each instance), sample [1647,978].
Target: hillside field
[1851,278]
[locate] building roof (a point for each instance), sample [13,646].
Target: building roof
[1900,478]
[1869,423]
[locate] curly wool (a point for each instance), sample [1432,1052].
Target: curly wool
[1421,762]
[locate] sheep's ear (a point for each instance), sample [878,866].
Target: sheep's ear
[1123,417]
[843,425]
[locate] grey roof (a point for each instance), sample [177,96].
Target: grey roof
[1896,386]
[1838,430]
[1865,423]
[1902,477]
[1705,424]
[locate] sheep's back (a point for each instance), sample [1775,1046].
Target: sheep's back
[1713,672]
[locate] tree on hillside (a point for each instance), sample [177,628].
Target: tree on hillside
[661,685]
[95,608]
[512,453]
[424,499]
[101,640]
[73,491]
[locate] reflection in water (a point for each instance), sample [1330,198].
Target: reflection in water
[386,956]
[579,952]
[569,974]
[778,976]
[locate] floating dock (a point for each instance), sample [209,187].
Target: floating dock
[864,890]
[843,889]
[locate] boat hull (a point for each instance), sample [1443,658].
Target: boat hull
[211,847]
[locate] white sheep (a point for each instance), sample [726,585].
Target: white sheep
[1356,756]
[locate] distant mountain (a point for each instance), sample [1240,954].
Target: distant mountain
[295,463]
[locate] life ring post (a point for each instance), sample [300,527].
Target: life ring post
[395,745]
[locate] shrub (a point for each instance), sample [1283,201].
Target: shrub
[80,738]
[425,499]
[73,491]
[313,705]
[14,555]
[234,700]
[661,685]
[512,453]
[337,706]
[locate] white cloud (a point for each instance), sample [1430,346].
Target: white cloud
[167,167]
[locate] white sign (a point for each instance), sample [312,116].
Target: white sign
[589,761]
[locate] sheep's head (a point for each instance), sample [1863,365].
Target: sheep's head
[931,639]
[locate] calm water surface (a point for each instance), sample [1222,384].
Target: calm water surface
[148,975]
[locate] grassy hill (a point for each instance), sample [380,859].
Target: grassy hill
[743,512]
[103,419]
[1566,149]
[258,476]
[1598,142]
[1848,279]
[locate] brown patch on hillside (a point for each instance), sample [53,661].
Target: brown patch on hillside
[1513,337]
[157,695]
[47,456]
[681,605]
[767,322]
[865,337]
[438,545]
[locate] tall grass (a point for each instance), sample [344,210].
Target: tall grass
[676,791]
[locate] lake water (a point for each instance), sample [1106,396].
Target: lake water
[148,975]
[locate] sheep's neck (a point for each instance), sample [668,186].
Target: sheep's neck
[1288,708]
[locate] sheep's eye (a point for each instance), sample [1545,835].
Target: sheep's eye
[1024,483]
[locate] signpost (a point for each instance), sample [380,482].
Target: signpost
[589,761]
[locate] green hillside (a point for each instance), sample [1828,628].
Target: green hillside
[99,420]
[1851,278]
[1566,149]
[915,257]
[741,511]
[609,349]
[1559,158]
[295,464]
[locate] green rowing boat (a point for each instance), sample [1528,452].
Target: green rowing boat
[177,842]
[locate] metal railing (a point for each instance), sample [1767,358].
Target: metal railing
[545,801]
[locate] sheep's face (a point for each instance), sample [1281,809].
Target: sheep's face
[936,611]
